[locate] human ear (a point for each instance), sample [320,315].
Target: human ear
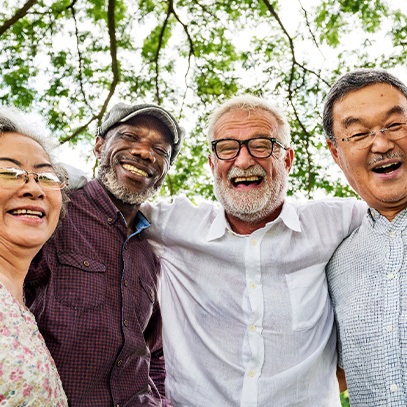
[211,162]
[333,149]
[97,150]
[289,159]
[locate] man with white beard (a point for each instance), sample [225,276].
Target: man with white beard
[247,319]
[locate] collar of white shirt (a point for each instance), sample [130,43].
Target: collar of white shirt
[220,224]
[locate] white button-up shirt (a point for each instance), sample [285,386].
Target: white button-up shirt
[247,320]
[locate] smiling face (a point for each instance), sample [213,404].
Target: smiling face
[250,189]
[29,214]
[377,173]
[134,159]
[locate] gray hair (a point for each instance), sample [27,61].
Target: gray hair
[353,81]
[13,120]
[249,103]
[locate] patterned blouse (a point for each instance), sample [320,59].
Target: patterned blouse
[28,376]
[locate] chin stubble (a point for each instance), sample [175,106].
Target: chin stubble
[109,180]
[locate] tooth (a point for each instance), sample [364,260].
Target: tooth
[27,212]
[247,179]
[135,170]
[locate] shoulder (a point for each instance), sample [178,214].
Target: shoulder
[332,205]
[340,210]
[330,220]
[179,210]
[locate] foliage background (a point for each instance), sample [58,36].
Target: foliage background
[71,60]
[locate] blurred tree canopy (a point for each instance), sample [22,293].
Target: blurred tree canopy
[71,60]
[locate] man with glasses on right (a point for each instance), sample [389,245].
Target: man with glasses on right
[365,123]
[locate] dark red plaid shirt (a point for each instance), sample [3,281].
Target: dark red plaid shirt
[93,291]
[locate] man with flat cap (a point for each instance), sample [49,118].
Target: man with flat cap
[93,287]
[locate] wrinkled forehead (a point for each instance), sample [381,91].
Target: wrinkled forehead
[373,102]
[18,149]
[244,121]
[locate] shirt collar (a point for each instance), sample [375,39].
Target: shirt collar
[399,221]
[140,223]
[220,225]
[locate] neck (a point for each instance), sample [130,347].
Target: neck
[390,214]
[242,227]
[13,269]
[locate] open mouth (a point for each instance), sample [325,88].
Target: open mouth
[135,170]
[386,169]
[252,180]
[27,213]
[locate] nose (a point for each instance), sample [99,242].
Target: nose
[144,151]
[31,187]
[244,160]
[381,143]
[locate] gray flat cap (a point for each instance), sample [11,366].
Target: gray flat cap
[121,112]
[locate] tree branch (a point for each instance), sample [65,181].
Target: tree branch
[157,54]
[22,12]
[111,21]
[190,54]
[72,8]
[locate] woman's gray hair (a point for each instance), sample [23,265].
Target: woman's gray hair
[13,120]
[249,103]
[353,81]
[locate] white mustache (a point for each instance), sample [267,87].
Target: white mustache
[256,170]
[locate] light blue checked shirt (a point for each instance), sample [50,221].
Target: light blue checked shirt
[368,282]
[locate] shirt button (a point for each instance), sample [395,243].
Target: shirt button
[393,388]
[86,263]
[252,373]
[126,323]
[126,283]
[390,276]
[252,285]
[389,328]
[119,362]
[392,233]
[252,328]
[109,220]
[253,242]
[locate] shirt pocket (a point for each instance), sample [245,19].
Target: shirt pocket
[308,291]
[80,281]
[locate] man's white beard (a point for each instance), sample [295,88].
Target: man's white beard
[108,178]
[252,205]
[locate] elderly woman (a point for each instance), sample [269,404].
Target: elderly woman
[30,206]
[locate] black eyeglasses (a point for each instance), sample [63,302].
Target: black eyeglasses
[258,147]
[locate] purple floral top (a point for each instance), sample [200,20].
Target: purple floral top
[28,376]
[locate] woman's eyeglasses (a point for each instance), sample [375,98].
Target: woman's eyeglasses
[11,178]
